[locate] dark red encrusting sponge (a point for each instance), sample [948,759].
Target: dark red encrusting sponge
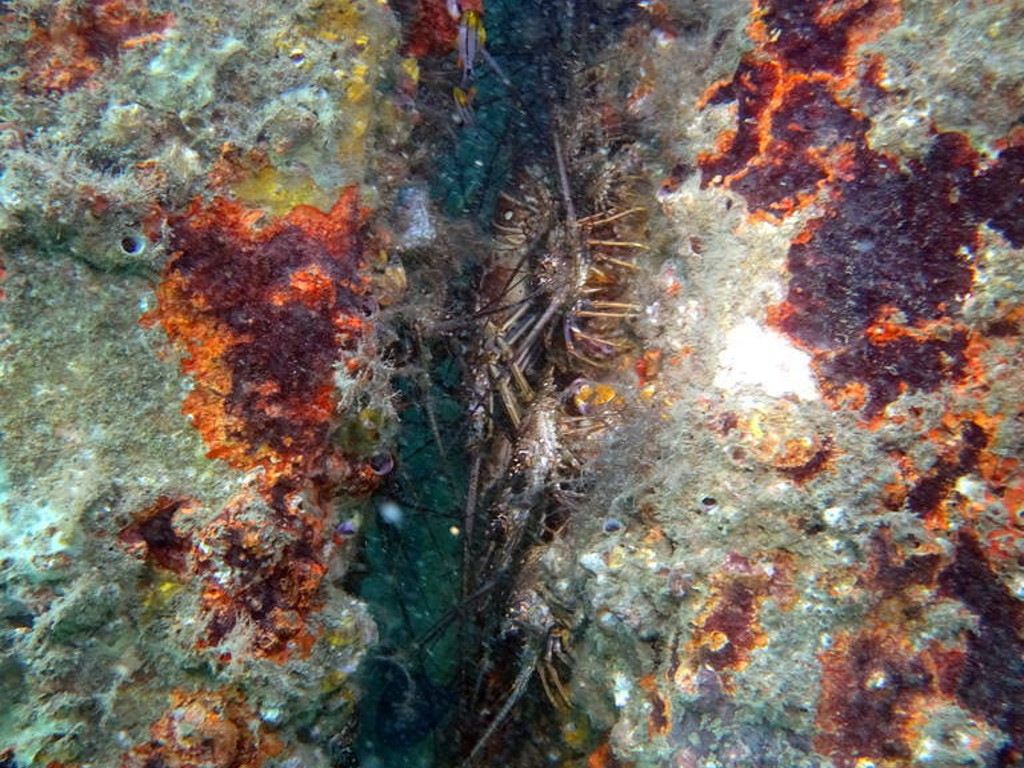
[265,314]
[991,683]
[878,277]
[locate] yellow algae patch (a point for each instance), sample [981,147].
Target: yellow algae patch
[278,191]
[353,45]
[341,20]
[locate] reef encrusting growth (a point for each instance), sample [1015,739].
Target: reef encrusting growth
[787,583]
[171,549]
[879,273]
[715,394]
[269,318]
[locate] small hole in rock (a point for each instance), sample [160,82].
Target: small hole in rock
[132,244]
[613,526]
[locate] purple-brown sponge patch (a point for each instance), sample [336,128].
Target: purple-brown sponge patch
[264,315]
[879,275]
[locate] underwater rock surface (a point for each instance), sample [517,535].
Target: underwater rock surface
[486,383]
[188,412]
[808,576]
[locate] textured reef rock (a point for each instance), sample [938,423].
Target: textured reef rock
[776,518]
[816,551]
[172,488]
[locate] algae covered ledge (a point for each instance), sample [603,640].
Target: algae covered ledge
[474,382]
